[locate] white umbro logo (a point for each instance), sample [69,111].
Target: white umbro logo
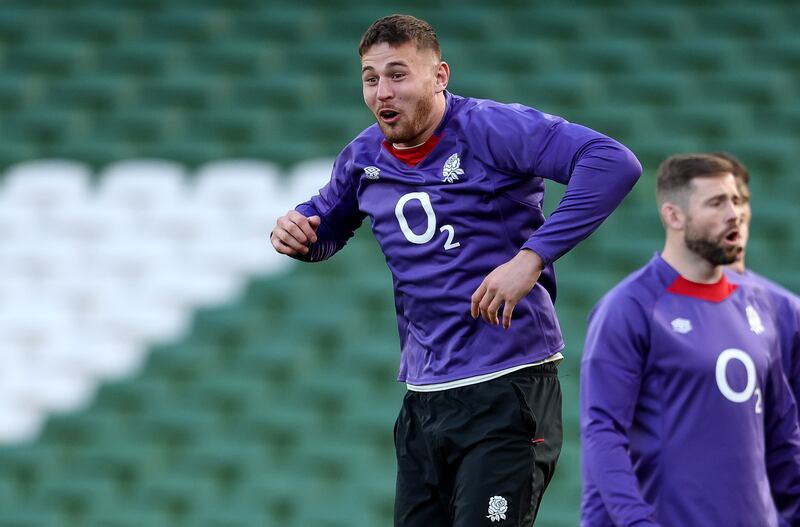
[371,172]
[451,169]
[681,325]
[756,326]
[498,506]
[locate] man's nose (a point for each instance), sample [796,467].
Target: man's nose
[384,90]
[733,212]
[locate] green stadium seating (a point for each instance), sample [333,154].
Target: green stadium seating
[50,58]
[97,25]
[139,58]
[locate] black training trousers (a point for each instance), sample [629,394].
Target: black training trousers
[478,455]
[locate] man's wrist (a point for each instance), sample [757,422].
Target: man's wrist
[533,258]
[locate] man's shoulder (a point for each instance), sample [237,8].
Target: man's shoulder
[639,289]
[774,287]
[760,284]
[490,111]
[370,139]
[360,150]
[624,314]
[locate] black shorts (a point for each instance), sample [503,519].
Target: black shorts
[478,455]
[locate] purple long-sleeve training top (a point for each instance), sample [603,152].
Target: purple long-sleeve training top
[686,415]
[469,206]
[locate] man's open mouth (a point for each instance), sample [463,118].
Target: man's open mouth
[388,115]
[733,236]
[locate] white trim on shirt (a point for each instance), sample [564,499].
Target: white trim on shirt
[458,383]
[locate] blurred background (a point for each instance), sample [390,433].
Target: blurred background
[160,366]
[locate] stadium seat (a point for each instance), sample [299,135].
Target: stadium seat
[306,179]
[553,25]
[237,186]
[98,93]
[648,24]
[18,424]
[185,25]
[46,185]
[99,26]
[49,58]
[189,92]
[16,91]
[144,58]
[700,54]
[741,22]
[17,224]
[16,23]
[142,185]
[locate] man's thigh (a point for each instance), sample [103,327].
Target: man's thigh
[501,479]
[495,485]
[418,499]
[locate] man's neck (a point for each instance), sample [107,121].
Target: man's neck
[737,267]
[690,265]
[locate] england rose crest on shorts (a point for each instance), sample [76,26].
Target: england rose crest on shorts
[498,506]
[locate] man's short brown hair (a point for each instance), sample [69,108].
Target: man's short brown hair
[739,170]
[677,172]
[399,29]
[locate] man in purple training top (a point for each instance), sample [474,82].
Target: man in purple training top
[787,304]
[453,187]
[687,417]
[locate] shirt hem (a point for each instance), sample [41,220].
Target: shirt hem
[481,377]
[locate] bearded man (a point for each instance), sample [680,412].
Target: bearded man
[686,415]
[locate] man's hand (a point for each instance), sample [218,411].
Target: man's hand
[506,285]
[293,233]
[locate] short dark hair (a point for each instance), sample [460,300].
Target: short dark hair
[399,29]
[739,170]
[676,173]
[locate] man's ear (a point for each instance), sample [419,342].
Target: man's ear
[672,216]
[442,76]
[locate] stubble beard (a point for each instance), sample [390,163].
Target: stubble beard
[405,132]
[710,250]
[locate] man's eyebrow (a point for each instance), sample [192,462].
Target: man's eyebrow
[721,195]
[388,65]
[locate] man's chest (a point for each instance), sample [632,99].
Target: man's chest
[443,199]
[713,349]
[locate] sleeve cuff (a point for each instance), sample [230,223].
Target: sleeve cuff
[536,246]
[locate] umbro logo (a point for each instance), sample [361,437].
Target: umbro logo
[681,325]
[371,172]
[452,169]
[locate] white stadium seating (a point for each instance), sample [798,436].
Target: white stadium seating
[90,277]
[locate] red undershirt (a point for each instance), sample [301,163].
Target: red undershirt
[414,155]
[716,292]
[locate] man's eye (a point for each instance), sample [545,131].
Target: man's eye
[398,76]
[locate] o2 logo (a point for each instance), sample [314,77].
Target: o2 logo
[424,200]
[725,358]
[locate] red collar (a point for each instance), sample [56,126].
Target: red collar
[716,292]
[413,156]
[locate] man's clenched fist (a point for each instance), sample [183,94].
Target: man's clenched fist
[293,233]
